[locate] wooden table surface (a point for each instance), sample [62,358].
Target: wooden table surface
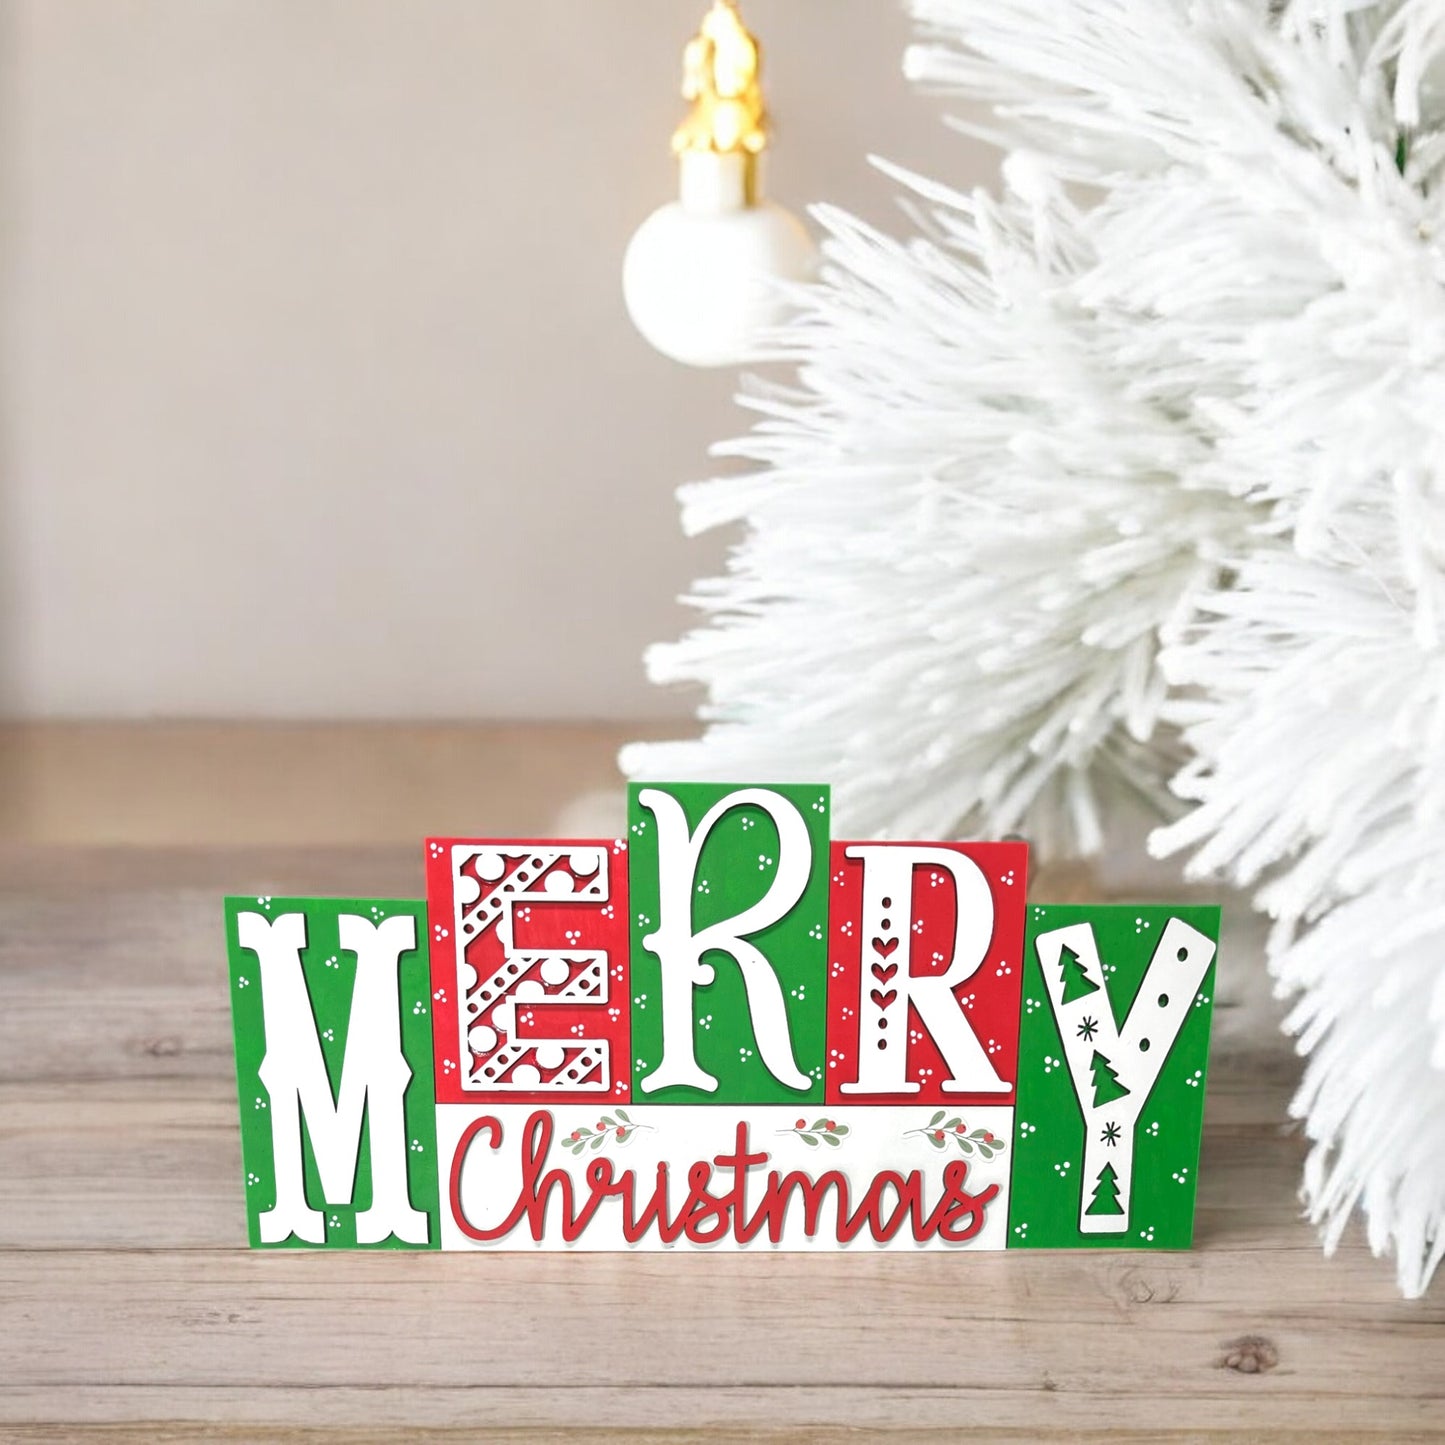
[131,1308]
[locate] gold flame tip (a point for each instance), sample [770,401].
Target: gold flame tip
[720,67]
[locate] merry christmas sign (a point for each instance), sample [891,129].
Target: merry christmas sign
[723,1030]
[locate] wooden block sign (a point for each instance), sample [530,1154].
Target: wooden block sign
[723,1030]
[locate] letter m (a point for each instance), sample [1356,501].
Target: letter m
[374,1076]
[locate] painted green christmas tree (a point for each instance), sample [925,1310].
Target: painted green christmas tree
[1106,1193]
[1076,982]
[1107,1087]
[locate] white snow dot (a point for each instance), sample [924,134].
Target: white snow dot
[585,861]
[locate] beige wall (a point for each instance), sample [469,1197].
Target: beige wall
[317,397]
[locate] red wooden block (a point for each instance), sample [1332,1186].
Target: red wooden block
[925,955]
[530,976]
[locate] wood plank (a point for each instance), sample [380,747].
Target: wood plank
[676,1416]
[65,1146]
[198,783]
[155,951]
[988,1331]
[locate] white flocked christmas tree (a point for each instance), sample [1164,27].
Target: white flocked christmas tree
[1132,474]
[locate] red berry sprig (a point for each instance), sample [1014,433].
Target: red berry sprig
[617,1126]
[941,1131]
[820,1131]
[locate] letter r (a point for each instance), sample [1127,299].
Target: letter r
[886,955]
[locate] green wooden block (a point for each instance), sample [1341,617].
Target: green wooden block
[1113,1054]
[331,1000]
[729,913]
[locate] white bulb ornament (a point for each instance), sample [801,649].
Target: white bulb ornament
[701,276]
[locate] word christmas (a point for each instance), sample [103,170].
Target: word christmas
[721,1030]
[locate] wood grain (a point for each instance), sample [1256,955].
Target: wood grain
[284,784]
[130,1308]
